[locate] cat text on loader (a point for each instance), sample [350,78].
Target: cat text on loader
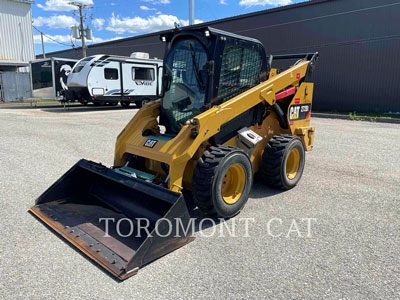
[224,115]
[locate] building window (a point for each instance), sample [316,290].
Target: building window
[143,74]
[111,74]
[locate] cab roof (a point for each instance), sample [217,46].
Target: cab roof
[213,31]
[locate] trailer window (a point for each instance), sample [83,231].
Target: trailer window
[79,66]
[111,74]
[142,74]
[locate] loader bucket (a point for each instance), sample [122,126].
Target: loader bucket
[144,217]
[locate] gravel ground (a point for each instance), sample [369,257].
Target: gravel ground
[350,186]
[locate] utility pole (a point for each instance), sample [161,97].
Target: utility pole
[191,12]
[81,26]
[44,53]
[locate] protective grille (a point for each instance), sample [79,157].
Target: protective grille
[240,70]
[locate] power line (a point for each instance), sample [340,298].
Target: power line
[50,38]
[98,45]
[344,43]
[328,45]
[72,42]
[319,17]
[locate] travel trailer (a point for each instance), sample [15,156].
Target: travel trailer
[107,79]
[49,77]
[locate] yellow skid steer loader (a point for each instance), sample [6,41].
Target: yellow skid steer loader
[224,114]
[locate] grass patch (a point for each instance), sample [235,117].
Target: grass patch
[356,116]
[46,101]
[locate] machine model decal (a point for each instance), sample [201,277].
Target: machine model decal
[299,112]
[150,143]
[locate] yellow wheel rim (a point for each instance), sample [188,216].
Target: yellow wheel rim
[233,184]
[293,163]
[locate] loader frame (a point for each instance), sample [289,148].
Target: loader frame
[180,153]
[155,165]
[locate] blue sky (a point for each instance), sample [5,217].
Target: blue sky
[115,19]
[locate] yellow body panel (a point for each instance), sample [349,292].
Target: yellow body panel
[181,152]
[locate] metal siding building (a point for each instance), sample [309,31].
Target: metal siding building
[16,36]
[358,42]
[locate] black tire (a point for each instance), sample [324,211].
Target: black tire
[277,169]
[142,102]
[125,104]
[208,183]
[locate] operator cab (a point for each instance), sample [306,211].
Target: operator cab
[206,67]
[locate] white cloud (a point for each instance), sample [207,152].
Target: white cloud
[158,1]
[60,21]
[223,2]
[144,7]
[139,24]
[186,22]
[61,5]
[98,23]
[66,39]
[101,40]
[249,3]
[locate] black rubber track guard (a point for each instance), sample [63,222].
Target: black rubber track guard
[74,205]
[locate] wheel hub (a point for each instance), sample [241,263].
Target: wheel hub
[293,163]
[233,184]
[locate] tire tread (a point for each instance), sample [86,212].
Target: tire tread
[272,159]
[203,177]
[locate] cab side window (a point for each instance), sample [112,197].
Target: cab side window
[240,70]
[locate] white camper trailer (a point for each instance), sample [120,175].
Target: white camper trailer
[108,79]
[49,77]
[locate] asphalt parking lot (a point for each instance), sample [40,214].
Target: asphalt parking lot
[350,187]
